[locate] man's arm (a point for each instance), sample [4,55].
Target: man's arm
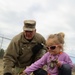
[9,58]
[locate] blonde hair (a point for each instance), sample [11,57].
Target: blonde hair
[58,38]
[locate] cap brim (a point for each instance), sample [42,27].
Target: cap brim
[29,29]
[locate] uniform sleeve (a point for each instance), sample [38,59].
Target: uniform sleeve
[10,57]
[36,65]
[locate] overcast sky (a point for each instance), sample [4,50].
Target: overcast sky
[52,16]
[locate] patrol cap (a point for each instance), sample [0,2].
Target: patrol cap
[29,25]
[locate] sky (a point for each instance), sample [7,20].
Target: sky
[51,16]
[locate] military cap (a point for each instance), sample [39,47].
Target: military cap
[29,25]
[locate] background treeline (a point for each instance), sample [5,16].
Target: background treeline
[1,53]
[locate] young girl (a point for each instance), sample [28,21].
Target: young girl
[57,61]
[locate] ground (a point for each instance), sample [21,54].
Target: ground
[1,67]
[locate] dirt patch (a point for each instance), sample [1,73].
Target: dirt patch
[1,67]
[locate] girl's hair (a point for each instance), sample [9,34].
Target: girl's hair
[59,38]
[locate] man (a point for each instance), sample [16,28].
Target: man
[24,49]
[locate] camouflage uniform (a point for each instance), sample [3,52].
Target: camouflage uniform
[19,52]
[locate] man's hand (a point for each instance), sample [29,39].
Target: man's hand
[7,74]
[23,73]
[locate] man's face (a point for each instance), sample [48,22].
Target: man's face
[29,34]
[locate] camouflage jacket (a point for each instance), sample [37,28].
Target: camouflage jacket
[19,52]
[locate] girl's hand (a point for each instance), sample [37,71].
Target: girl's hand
[58,64]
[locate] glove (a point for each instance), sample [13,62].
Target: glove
[37,48]
[7,74]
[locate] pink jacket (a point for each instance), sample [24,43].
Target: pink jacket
[45,60]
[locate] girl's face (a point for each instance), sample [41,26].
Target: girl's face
[52,47]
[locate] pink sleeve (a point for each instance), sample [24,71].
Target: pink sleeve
[36,65]
[67,61]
